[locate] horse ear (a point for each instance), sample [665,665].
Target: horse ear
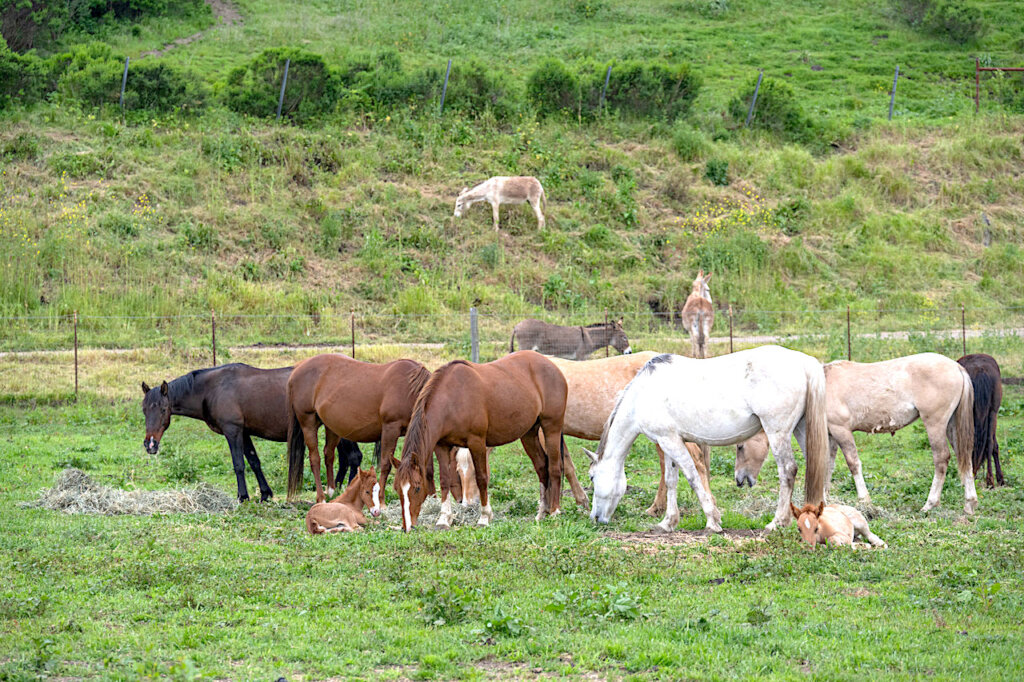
[145,388]
[796,512]
[395,462]
[591,455]
[821,507]
[163,388]
[372,472]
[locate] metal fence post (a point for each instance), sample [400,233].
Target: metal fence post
[753,101]
[352,327]
[849,349]
[606,352]
[124,82]
[444,90]
[76,354]
[474,336]
[730,327]
[963,327]
[284,84]
[213,336]
[892,95]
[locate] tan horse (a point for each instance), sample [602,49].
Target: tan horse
[699,315]
[477,406]
[360,401]
[593,386]
[884,397]
[345,512]
[835,524]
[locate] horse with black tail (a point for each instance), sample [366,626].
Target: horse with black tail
[988,396]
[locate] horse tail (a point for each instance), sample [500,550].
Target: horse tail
[701,339]
[984,405]
[296,453]
[963,428]
[816,423]
[376,455]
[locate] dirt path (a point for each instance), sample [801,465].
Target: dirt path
[225,12]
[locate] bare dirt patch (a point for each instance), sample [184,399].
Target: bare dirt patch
[226,13]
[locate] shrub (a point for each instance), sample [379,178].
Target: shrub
[717,171]
[552,88]
[24,145]
[473,90]
[25,78]
[689,144]
[951,19]
[644,89]
[313,88]
[776,110]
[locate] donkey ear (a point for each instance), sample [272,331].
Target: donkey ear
[163,388]
[591,455]
[700,274]
[707,278]
[621,321]
[145,388]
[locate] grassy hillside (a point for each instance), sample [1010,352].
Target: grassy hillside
[170,214]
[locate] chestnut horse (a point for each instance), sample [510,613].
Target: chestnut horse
[477,406]
[361,401]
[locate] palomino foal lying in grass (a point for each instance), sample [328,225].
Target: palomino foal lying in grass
[835,524]
[502,189]
[345,513]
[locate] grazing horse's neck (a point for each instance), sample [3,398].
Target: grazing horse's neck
[184,398]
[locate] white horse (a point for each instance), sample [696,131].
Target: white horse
[720,401]
[501,189]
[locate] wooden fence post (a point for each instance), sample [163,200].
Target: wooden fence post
[474,336]
[849,349]
[730,327]
[606,326]
[213,336]
[963,327]
[352,327]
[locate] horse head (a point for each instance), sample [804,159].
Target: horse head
[156,406]
[369,490]
[411,487]
[750,456]
[700,285]
[460,202]
[609,486]
[808,521]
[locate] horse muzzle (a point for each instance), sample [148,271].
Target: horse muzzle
[745,479]
[151,444]
[597,518]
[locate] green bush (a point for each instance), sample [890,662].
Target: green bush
[313,88]
[25,78]
[951,19]
[644,89]
[473,90]
[689,144]
[777,110]
[717,171]
[552,88]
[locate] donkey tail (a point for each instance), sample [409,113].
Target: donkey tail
[512,341]
[543,199]
[963,428]
[296,453]
[816,423]
[701,339]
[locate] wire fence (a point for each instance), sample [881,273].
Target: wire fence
[76,352]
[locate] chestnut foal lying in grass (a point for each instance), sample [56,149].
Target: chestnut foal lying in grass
[345,513]
[834,524]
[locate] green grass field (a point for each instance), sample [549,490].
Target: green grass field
[249,595]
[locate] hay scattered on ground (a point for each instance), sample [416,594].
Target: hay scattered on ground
[75,492]
[431,509]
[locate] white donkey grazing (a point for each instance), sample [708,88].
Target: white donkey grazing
[720,401]
[521,189]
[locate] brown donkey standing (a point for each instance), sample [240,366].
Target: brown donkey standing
[699,315]
[477,406]
[361,401]
[345,512]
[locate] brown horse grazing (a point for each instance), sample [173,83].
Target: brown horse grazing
[834,524]
[699,315]
[988,396]
[360,401]
[571,343]
[345,512]
[477,406]
[236,401]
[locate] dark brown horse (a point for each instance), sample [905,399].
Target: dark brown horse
[477,406]
[236,401]
[361,401]
[988,395]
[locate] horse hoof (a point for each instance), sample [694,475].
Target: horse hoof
[770,527]
[929,506]
[266,496]
[970,506]
[442,526]
[655,510]
[244,498]
[660,530]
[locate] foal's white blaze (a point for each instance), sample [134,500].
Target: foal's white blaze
[406,512]
[375,510]
[807,524]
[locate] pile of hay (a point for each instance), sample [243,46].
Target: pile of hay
[77,493]
[462,515]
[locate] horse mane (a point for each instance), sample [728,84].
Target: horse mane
[183,385]
[648,368]
[651,365]
[416,432]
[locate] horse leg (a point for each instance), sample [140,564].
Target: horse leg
[236,444]
[388,442]
[478,448]
[782,448]
[431,485]
[310,425]
[843,438]
[540,461]
[331,441]
[444,462]
[679,458]
[536,211]
[553,452]
[578,492]
[254,463]
[494,210]
[940,456]
[658,506]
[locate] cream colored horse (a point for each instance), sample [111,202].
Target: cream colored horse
[884,397]
[522,189]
